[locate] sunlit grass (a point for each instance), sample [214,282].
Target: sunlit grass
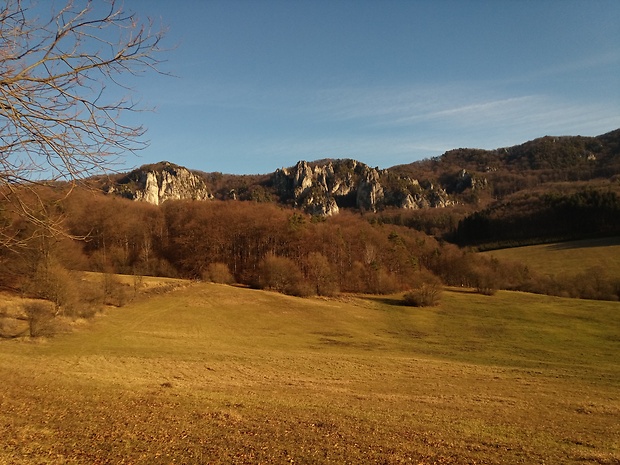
[217,374]
[567,257]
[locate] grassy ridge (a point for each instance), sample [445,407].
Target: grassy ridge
[216,374]
[567,257]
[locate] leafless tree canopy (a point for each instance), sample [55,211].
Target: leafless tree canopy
[62,89]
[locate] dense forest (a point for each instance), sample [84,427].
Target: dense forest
[250,242]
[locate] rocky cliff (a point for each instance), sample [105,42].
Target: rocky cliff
[319,188]
[322,188]
[472,177]
[157,183]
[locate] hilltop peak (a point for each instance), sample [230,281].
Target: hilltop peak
[159,182]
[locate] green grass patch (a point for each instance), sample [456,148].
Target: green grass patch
[217,374]
[567,257]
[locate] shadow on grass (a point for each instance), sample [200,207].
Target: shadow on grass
[586,243]
[460,290]
[392,301]
[400,302]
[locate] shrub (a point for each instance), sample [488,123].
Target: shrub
[280,274]
[40,317]
[322,279]
[426,290]
[114,291]
[53,282]
[486,289]
[218,273]
[384,282]
[427,295]
[301,289]
[483,278]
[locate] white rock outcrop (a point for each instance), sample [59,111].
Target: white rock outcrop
[158,183]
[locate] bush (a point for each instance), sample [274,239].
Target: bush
[384,282]
[301,289]
[53,282]
[594,283]
[218,273]
[427,295]
[280,274]
[486,289]
[40,317]
[321,278]
[114,291]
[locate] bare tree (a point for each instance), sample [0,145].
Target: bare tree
[63,90]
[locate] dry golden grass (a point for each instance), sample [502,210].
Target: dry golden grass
[216,374]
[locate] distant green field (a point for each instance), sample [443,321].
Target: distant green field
[567,257]
[217,374]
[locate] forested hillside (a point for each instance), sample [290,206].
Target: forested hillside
[533,164]
[552,188]
[257,244]
[548,189]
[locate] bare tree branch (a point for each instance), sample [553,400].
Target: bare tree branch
[60,114]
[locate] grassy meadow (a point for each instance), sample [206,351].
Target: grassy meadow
[210,373]
[567,257]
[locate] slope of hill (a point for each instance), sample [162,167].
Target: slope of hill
[216,374]
[526,166]
[364,251]
[568,257]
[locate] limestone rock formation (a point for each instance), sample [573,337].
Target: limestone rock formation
[321,188]
[324,187]
[369,191]
[164,181]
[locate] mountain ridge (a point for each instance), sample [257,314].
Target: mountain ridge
[463,176]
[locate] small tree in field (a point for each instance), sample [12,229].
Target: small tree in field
[51,281]
[114,291]
[281,274]
[320,275]
[40,317]
[60,112]
[427,295]
[426,290]
[218,273]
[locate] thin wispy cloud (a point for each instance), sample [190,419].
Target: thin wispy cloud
[458,107]
[483,110]
[590,63]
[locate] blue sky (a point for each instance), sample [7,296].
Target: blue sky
[262,84]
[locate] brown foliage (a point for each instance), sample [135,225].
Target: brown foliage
[252,244]
[281,274]
[59,106]
[41,320]
[218,273]
[51,281]
[426,290]
[427,295]
[319,275]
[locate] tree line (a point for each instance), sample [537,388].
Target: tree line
[538,217]
[261,245]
